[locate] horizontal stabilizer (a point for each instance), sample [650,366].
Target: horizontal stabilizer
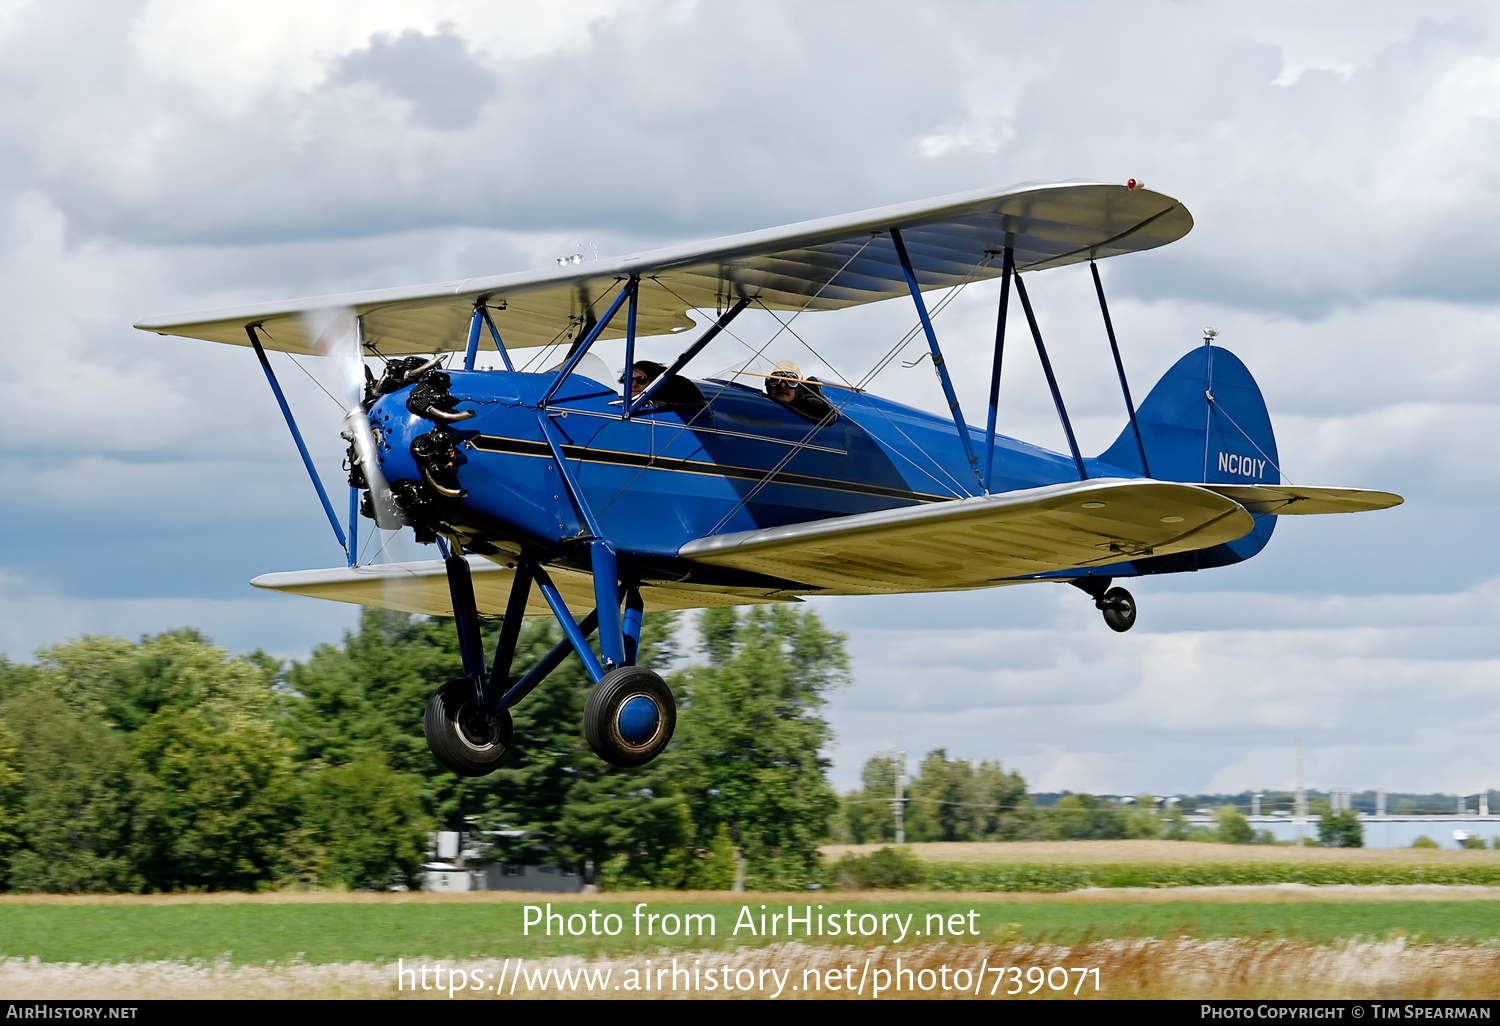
[976,542]
[1286,499]
[422,587]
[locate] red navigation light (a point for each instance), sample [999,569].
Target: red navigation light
[1132,184]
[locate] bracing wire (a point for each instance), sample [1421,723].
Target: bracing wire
[957,489]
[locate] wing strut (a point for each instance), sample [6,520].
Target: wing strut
[626,292]
[626,379]
[989,432]
[471,351]
[286,411]
[495,334]
[937,357]
[681,361]
[1109,326]
[1041,351]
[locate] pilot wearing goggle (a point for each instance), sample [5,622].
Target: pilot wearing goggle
[803,396]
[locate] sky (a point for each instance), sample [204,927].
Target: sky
[1340,161]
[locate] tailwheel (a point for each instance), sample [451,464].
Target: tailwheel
[1118,606]
[629,717]
[459,738]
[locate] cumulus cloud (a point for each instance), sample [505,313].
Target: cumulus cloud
[445,86]
[1340,161]
[1210,690]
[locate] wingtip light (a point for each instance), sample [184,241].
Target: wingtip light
[1134,183]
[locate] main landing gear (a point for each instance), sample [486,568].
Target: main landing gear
[630,715]
[463,740]
[1117,604]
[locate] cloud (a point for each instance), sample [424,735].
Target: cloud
[1194,697]
[33,616]
[445,86]
[1340,161]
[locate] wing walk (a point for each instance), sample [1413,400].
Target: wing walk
[952,239]
[422,587]
[977,542]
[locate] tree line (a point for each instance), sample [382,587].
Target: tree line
[957,800]
[168,764]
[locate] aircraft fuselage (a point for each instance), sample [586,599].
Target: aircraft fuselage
[665,477]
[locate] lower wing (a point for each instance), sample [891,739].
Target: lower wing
[981,541]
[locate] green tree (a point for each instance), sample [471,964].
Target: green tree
[1078,817]
[363,824]
[750,737]
[1002,807]
[1139,819]
[214,799]
[1232,827]
[868,815]
[75,800]
[125,683]
[368,695]
[1341,829]
[11,794]
[941,808]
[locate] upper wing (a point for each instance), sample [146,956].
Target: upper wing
[826,264]
[970,543]
[1285,499]
[422,587]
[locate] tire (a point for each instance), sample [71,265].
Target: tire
[456,737]
[629,717]
[1118,606]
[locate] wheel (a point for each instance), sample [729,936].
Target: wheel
[629,717]
[1118,606]
[457,737]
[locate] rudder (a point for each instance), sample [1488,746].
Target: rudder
[1205,422]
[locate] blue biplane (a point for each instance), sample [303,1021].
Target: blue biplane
[551,491]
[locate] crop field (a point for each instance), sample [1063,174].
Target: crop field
[1083,853]
[1241,940]
[1070,866]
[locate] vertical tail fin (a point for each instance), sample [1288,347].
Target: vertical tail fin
[1205,422]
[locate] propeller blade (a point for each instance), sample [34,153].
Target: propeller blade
[340,336]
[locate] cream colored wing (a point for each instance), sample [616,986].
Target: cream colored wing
[422,587]
[827,264]
[982,541]
[1285,500]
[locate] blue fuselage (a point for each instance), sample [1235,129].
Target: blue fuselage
[665,477]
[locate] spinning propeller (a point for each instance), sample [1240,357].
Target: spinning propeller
[339,336]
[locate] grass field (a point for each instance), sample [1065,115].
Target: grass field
[255,933]
[1285,940]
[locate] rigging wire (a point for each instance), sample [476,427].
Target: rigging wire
[687,425]
[958,490]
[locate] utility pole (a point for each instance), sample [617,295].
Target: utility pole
[1299,806]
[898,806]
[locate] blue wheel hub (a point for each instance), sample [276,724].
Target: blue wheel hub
[638,719]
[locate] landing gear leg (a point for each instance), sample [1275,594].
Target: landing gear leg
[630,714]
[464,734]
[1117,604]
